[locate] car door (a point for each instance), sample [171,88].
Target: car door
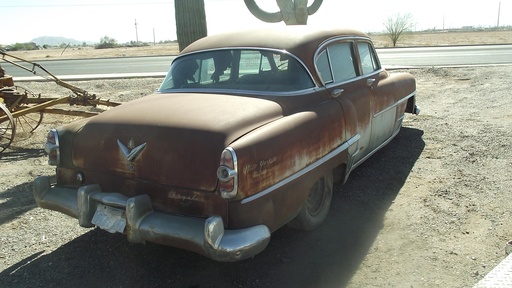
[382,100]
[338,68]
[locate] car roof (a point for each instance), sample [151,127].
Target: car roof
[300,40]
[287,38]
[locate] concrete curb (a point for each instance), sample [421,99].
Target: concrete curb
[500,276]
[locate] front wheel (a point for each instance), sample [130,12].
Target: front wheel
[316,207]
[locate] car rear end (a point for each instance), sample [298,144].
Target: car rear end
[161,178]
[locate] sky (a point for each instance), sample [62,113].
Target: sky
[90,20]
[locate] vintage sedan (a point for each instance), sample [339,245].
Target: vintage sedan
[247,133]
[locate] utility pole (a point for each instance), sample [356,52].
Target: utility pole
[136,33]
[499,11]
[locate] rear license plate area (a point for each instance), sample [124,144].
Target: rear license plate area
[109,219]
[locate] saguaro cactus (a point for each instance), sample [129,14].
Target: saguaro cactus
[292,12]
[190,21]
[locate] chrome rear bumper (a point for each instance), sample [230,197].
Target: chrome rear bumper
[141,223]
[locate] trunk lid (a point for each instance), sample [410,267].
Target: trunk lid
[169,139]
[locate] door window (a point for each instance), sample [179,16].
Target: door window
[342,61]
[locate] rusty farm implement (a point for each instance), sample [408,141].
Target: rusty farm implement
[23,110]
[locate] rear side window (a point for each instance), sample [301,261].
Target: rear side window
[336,63]
[369,61]
[324,67]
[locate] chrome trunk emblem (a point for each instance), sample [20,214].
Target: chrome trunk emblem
[131,151]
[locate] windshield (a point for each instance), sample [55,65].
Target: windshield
[237,69]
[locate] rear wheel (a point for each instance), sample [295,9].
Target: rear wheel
[29,122]
[316,207]
[7,128]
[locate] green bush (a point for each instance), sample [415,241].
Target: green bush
[106,42]
[24,46]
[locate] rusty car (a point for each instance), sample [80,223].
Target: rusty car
[246,134]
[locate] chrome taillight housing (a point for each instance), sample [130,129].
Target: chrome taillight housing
[228,173]
[51,147]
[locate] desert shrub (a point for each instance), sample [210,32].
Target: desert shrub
[24,46]
[106,42]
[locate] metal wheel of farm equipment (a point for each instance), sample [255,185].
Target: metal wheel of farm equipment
[27,123]
[316,207]
[7,128]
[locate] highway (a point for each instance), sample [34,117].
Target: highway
[389,57]
[446,56]
[95,66]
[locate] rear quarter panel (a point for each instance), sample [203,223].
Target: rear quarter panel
[397,86]
[277,151]
[392,92]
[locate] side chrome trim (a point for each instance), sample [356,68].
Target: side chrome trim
[357,78]
[237,92]
[396,104]
[305,170]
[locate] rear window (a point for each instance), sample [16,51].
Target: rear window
[237,69]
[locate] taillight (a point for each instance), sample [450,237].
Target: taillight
[228,173]
[51,147]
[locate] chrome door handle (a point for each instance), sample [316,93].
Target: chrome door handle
[370,82]
[336,92]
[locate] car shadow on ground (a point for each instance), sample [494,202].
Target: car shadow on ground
[326,257]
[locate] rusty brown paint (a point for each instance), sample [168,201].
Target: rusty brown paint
[272,153]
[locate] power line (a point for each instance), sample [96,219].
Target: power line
[83,5]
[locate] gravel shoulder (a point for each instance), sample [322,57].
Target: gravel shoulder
[431,209]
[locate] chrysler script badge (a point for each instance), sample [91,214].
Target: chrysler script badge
[131,151]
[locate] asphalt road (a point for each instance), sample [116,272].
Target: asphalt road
[447,56]
[390,57]
[139,65]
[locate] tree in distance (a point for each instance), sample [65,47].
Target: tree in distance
[395,26]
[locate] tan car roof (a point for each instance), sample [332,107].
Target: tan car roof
[299,40]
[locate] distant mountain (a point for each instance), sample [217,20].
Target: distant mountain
[56,41]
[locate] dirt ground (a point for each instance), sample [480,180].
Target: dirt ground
[431,209]
[446,38]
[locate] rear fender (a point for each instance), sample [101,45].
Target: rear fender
[279,162]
